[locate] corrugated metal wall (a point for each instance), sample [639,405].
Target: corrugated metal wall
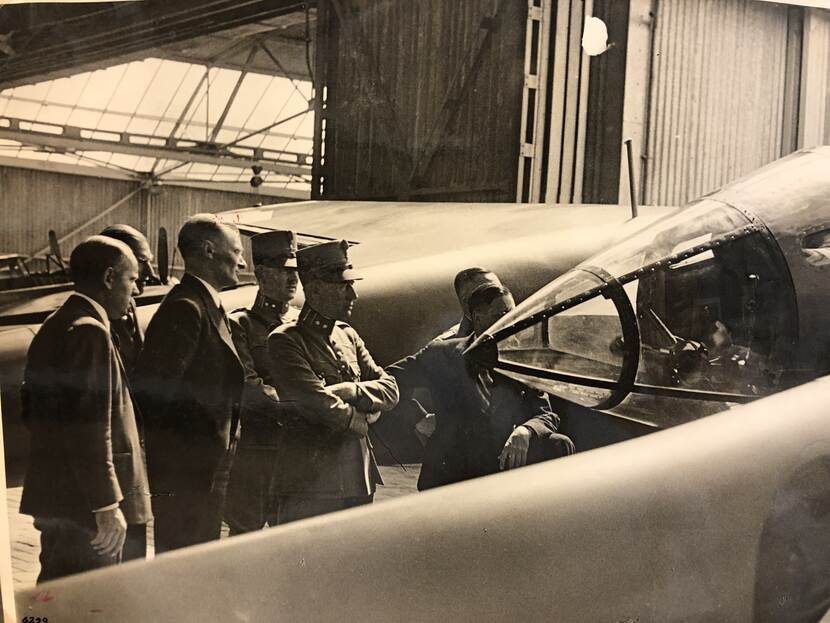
[423,98]
[814,126]
[717,97]
[33,202]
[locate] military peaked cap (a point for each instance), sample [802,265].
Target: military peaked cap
[275,248]
[328,261]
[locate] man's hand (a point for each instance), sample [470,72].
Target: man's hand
[514,453]
[425,427]
[346,391]
[112,532]
[358,424]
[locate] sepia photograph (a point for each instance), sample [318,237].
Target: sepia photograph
[415,310]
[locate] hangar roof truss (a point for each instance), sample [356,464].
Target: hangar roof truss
[167,120]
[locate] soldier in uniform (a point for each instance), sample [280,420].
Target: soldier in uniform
[249,505]
[320,363]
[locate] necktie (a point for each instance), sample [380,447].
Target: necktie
[484,385]
[132,325]
[225,319]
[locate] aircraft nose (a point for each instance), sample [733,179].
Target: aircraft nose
[484,351]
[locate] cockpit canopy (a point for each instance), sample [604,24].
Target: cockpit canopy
[697,306]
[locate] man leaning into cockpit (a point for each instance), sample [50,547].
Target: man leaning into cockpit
[485,422]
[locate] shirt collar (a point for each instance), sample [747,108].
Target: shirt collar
[211,290]
[99,309]
[315,321]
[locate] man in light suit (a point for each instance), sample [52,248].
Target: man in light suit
[189,382]
[86,479]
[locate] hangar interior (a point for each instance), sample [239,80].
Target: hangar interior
[147,112]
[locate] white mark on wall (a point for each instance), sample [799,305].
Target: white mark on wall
[594,37]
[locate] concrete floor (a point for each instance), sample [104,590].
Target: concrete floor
[25,540]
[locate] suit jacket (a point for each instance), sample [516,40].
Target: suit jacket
[320,455]
[262,412]
[471,427]
[85,450]
[188,382]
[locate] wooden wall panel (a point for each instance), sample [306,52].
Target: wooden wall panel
[423,98]
[32,202]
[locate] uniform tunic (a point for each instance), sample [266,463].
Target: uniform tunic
[249,504]
[321,454]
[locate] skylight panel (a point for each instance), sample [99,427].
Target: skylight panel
[101,87]
[68,90]
[53,114]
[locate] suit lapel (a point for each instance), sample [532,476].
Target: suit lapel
[217,318]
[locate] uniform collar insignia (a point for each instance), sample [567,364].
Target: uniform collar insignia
[268,309]
[315,321]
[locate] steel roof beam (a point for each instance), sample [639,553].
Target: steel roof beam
[73,139]
[126,29]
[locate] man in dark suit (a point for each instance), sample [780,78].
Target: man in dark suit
[128,339]
[485,422]
[325,461]
[465,283]
[86,479]
[189,381]
[250,502]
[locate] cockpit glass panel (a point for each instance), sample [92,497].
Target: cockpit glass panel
[713,307]
[582,341]
[698,224]
[718,323]
[676,233]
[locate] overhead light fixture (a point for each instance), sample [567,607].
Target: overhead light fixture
[256,180]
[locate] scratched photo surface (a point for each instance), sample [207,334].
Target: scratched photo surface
[618,415]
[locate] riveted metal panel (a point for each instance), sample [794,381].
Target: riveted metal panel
[718,93]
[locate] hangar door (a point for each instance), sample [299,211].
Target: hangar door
[418,99]
[719,101]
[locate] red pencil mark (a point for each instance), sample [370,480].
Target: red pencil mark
[43,597]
